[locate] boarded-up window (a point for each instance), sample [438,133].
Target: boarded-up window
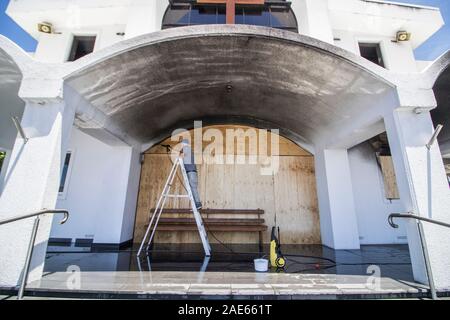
[389,178]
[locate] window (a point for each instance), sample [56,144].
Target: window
[372,52]
[2,158]
[273,14]
[65,173]
[81,46]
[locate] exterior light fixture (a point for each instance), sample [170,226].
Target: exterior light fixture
[229,88]
[403,36]
[45,27]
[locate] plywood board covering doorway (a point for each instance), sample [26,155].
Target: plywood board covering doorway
[288,196]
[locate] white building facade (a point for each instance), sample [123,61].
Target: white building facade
[113,78]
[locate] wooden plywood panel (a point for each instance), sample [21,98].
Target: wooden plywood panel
[288,197]
[286,146]
[389,178]
[297,211]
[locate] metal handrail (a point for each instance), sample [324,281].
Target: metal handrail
[413,216]
[26,267]
[426,257]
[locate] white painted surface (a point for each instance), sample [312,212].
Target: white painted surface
[56,47]
[31,185]
[348,20]
[313,19]
[145,17]
[424,187]
[338,223]
[384,19]
[10,106]
[101,208]
[398,57]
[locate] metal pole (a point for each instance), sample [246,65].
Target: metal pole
[20,129]
[426,257]
[26,268]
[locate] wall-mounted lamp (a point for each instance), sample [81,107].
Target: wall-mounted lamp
[20,129]
[402,36]
[45,27]
[435,135]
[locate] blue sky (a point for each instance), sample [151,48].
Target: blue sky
[430,50]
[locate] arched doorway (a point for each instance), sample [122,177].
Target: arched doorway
[287,195]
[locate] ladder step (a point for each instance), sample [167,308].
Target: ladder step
[176,196]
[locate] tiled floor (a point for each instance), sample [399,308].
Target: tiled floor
[181,271]
[393,260]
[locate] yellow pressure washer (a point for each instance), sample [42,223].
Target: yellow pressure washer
[277,259]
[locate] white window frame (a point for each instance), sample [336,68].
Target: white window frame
[63,195]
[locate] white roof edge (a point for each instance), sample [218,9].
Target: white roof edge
[401,4]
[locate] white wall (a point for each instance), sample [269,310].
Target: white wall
[101,191]
[145,17]
[10,105]
[56,47]
[398,57]
[313,19]
[372,208]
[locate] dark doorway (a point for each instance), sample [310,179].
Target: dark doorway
[372,52]
[81,46]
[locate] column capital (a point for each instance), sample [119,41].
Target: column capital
[41,90]
[418,100]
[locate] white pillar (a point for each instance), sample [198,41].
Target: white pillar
[338,222]
[313,19]
[145,17]
[31,184]
[423,188]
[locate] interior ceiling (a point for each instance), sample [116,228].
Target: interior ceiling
[259,81]
[441,114]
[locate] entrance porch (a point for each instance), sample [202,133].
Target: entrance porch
[108,108]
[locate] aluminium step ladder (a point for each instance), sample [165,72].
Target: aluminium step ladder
[151,229]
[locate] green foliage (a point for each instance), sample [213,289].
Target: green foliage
[2,157]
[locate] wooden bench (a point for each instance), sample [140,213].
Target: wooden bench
[253,222]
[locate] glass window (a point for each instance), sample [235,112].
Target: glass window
[372,52]
[203,15]
[65,171]
[273,14]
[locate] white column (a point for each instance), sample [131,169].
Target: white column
[145,17]
[423,188]
[31,184]
[313,19]
[338,222]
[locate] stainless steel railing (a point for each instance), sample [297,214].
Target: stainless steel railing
[426,257]
[37,215]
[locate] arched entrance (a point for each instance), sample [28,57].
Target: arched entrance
[287,194]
